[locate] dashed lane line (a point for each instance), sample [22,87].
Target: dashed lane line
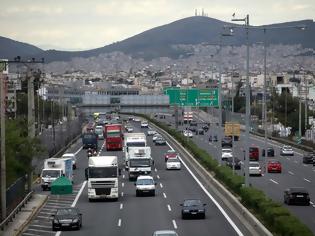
[275,182]
[290,172]
[169,208]
[121,206]
[122,184]
[161,185]
[174,224]
[164,195]
[307,180]
[158,176]
[119,223]
[122,194]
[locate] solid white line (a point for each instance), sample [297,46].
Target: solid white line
[38,230]
[43,217]
[161,185]
[273,181]
[158,176]
[119,223]
[164,195]
[291,173]
[30,234]
[121,206]
[78,150]
[307,180]
[212,198]
[169,208]
[78,195]
[174,224]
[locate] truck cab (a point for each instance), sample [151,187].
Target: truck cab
[139,161]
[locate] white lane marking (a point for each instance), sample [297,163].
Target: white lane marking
[305,165]
[78,195]
[121,206]
[273,181]
[30,234]
[119,223]
[211,197]
[290,172]
[158,176]
[295,161]
[314,170]
[44,217]
[155,170]
[164,195]
[78,150]
[169,208]
[312,203]
[288,158]
[161,185]
[122,194]
[122,184]
[38,230]
[307,180]
[174,224]
[123,176]
[42,226]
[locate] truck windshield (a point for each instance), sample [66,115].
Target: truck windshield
[89,136]
[136,144]
[140,162]
[98,131]
[103,172]
[51,173]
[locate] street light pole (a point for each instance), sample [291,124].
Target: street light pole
[265,101]
[3,159]
[247,92]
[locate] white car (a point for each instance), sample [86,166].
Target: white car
[155,137]
[73,157]
[226,153]
[151,132]
[145,185]
[254,168]
[173,164]
[144,124]
[286,151]
[188,133]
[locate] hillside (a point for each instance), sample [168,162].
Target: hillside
[157,42]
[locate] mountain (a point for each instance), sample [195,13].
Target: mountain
[10,48]
[159,41]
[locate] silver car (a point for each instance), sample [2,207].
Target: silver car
[286,151]
[254,168]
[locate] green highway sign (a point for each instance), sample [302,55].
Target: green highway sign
[193,97]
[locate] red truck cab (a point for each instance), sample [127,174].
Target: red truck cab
[113,137]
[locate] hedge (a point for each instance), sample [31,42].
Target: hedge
[276,218]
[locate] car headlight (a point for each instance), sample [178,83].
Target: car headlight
[185,210]
[75,221]
[56,221]
[201,210]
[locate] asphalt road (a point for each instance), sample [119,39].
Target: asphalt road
[132,215]
[294,172]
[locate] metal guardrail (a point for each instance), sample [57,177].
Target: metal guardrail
[15,211]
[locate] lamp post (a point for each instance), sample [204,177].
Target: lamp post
[247,92]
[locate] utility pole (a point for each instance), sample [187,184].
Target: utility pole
[265,101]
[3,159]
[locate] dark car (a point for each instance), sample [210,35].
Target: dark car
[193,123]
[227,142]
[296,196]
[237,165]
[193,208]
[200,131]
[193,129]
[205,128]
[308,158]
[270,152]
[213,138]
[67,218]
[160,141]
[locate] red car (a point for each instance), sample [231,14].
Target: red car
[274,166]
[170,154]
[253,154]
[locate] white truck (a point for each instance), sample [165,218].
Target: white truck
[102,177]
[55,168]
[133,140]
[139,161]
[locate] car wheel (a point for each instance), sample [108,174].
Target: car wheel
[203,216]
[183,216]
[137,194]
[153,193]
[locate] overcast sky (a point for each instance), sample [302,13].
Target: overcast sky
[86,24]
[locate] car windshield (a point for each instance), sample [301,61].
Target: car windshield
[51,173]
[253,149]
[254,164]
[67,211]
[145,182]
[192,203]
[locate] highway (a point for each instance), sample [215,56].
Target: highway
[294,172]
[132,215]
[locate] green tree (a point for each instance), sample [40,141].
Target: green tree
[19,149]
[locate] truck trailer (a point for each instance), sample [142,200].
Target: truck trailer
[113,137]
